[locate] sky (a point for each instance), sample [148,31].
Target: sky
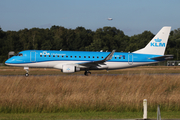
[131,16]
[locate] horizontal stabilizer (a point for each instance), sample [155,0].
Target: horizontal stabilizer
[165,57]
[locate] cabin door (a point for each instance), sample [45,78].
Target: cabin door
[33,56]
[130,59]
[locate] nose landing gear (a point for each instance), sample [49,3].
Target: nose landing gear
[26,74]
[27,71]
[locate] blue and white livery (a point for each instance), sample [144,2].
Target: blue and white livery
[74,61]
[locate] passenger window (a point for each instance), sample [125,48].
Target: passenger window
[71,56]
[115,57]
[44,55]
[93,56]
[53,55]
[97,57]
[66,56]
[49,55]
[58,56]
[119,57]
[75,56]
[79,56]
[102,57]
[123,56]
[84,56]
[88,56]
[62,56]
[40,55]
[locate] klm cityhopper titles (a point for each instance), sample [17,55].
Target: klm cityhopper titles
[74,61]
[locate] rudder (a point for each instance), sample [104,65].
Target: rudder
[158,44]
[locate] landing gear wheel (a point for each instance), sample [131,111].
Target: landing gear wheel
[27,71]
[87,73]
[26,74]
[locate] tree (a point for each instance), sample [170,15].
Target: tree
[58,37]
[139,41]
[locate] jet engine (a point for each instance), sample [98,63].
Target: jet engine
[70,69]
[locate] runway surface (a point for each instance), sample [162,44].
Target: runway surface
[172,74]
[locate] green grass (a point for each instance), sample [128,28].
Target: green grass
[88,115]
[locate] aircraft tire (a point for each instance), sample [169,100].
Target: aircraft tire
[86,73]
[26,74]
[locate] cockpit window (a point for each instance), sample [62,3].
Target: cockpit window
[19,54]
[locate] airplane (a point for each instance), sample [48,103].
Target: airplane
[74,61]
[110,19]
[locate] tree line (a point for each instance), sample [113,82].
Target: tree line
[79,39]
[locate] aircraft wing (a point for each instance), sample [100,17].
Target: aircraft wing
[95,63]
[165,57]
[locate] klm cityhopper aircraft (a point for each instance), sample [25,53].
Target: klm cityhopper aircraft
[74,61]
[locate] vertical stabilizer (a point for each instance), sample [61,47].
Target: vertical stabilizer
[158,44]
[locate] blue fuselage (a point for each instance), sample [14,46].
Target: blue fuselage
[50,58]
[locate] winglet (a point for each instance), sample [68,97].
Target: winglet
[109,57]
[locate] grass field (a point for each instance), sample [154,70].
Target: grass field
[87,115]
[80,97]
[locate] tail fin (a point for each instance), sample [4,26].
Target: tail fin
[158,44]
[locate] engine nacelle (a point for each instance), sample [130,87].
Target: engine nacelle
[70,69]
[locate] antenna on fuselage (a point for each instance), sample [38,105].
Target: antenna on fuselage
[60,50]
[101,50]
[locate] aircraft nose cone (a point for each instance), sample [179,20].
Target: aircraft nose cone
[8,62]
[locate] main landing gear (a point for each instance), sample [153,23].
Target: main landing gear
[27,71]
[87,73]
